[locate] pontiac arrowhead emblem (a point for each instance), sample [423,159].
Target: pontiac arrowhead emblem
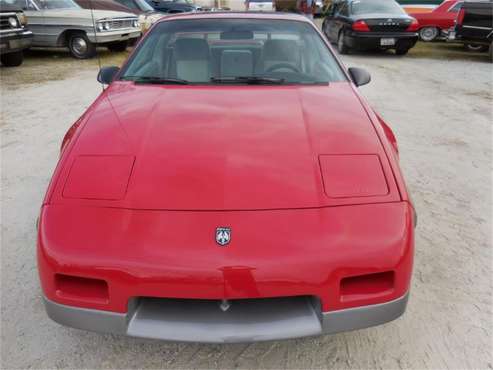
[223,236]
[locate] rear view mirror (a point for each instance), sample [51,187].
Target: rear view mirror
[107,74]
[359,76]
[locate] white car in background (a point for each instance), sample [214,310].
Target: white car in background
[63,23]
[260,5]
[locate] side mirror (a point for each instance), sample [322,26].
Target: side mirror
[359,76]
[107,74]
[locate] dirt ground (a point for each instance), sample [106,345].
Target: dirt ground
[441,110]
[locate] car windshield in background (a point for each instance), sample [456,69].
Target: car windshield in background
[137,4]
[242,51]
[376,6]
[54,4]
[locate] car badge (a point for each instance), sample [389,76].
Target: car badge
[223,236]
[389,20]
[224,305]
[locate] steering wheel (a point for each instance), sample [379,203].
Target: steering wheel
[276,66]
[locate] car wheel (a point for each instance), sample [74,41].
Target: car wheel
[341,45]
[401,50]
[12,59]
[476,47]
[80,46]
[118,46]
[428,33]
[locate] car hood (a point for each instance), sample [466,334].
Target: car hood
[223,148]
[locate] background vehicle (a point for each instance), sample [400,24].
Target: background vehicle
[63,23]
[474,25]
[174,6]
[285,5]
[437,23]
[14,34]
[260,5]
[419,6]
[319,7]
[146,13]
[370,24]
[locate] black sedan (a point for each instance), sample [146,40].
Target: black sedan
[173,6]
[370,24]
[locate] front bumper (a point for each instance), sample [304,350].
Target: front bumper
[114,36]
[371,40]
[112,265]
[16,41]
[207,323]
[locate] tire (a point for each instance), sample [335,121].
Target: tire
[401,50]
[12,59]
[80,46]
[118,46]
[428,34]
[476,47]
[341,45]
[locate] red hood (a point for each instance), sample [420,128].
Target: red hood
[226,147]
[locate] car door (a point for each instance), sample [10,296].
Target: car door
[341,18]
[448,18]
[328,21]
[332,21]
[35,19]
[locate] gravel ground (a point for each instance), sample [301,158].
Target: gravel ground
[441,112]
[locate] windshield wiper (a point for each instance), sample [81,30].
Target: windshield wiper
[252,80]
[155,80]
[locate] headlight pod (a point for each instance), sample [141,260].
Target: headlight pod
[102,177]
[13,22]
[135,23]
[353,175]
[99,27]
[106,26]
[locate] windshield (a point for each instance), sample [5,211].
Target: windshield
[144,6]
[219,50]
[376,6]
[50,4]
[140,5]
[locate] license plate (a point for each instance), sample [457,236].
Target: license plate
[387,42]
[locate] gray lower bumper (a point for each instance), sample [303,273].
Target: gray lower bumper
[256,320]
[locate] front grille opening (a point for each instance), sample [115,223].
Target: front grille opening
[244,319]
[366,286]
[81,288]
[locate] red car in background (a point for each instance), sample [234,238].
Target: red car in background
[436,23]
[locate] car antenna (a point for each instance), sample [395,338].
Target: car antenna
[95,37]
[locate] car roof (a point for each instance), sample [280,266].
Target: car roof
[238,15]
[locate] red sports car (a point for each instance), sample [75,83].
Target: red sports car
[437,23]
[230,185]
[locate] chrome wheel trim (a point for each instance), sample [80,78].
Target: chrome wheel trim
[428,33]
[79,45]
